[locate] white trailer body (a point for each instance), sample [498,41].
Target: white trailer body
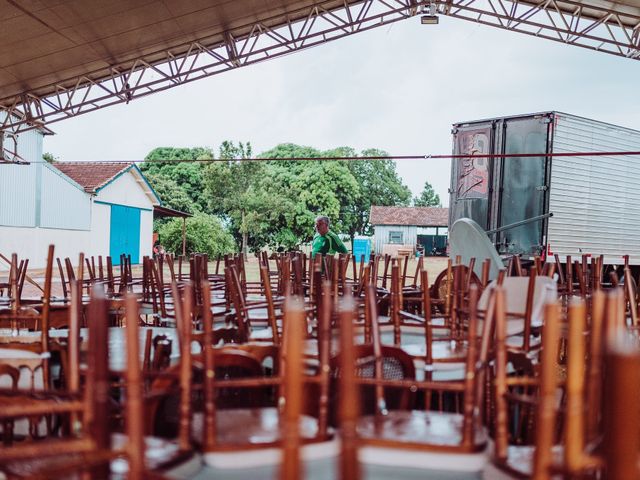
[583,204]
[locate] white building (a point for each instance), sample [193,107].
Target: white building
[95,208]
[402,229]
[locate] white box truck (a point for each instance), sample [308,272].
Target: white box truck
[546,204]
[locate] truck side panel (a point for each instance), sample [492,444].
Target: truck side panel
[595,201]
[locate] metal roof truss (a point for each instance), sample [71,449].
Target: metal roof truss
[204,60]
[571,22]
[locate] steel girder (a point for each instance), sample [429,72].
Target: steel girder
[9,149]
[566,21]
[202,60]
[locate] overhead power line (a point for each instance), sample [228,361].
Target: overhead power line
[390,157]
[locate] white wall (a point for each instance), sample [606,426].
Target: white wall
[63,203]
[146,234]
[381,236]
[125,190]
[32,243]
[100,221]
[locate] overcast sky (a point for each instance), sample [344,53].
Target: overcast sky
[398,88]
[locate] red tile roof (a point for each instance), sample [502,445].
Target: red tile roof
[91,175]
[419,216]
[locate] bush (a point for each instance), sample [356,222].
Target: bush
[205,234]
[285,239]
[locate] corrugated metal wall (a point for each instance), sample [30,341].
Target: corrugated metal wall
[409,235]
[30,146]
[18,199]
[595,200]
[64,205]
[38,194]
[18,195]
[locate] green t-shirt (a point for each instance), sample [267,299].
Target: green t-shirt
[327,244]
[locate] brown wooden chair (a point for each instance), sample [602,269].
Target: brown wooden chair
[426,431]
[31,457]
[621,443]
[89,445]
[239,429]
[553,408]
[252,314]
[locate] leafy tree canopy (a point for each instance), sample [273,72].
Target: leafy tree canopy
[204,234]
[172,195]
[428,197]
[236,191]
[379,185]
[275,202]
[187,175]
[48,157]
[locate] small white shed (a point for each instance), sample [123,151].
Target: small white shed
[404,228]
[89,207]
[122,203]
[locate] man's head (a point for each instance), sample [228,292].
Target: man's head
[322,224]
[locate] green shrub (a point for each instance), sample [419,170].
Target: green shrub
[205,234]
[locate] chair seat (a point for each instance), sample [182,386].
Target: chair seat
[516,341]
[240,460]
[442,351]
[251,427]
[438,431]
[436,462]
[519,463]
[159,452]
[258,314]
[261,334]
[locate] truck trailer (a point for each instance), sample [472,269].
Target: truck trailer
[545,205]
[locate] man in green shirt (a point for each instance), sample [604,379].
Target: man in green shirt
[325,242]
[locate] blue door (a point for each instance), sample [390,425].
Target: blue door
[125,233]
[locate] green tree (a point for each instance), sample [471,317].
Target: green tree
[291,150]
[49,158]
[204,234]
[187,175]
[171,194]
[235,190]
[311,188]
[428,197]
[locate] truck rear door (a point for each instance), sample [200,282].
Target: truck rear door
[470,176]
[523,185]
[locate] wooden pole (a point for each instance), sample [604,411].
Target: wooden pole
[134,426]
[294,321]
[184,236]
[622,383]
[349,467]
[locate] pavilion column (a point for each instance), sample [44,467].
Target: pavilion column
[184,236]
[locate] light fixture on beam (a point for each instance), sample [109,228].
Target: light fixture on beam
[429,16]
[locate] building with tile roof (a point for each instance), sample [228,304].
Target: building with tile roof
[90,207]
[405,229]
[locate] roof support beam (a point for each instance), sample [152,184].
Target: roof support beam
[202,60]
[9,149]
[563,21]
[567,21]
